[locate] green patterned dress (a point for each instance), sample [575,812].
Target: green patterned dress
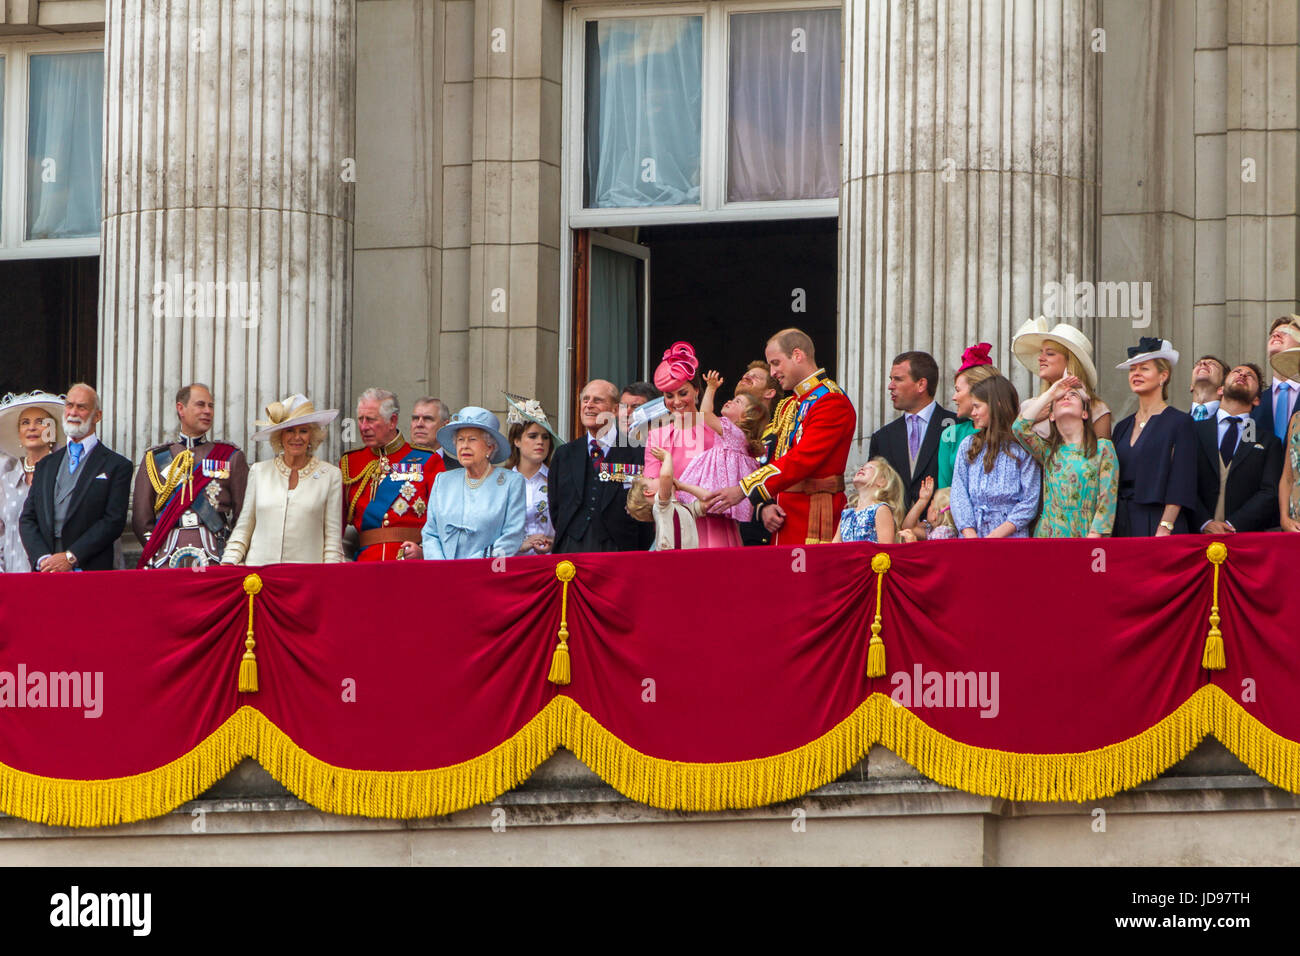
[1079,493]
[1293,449]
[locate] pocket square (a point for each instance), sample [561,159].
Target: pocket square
[102,474]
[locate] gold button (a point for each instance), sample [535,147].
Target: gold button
[385,522]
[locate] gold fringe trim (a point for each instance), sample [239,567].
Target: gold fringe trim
[668,784]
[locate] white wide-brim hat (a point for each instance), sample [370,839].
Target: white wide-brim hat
[289,413]
[11,409]
[473,416]
[1029,338]
[1148,350]
[1287,363]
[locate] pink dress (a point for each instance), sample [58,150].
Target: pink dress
[722,466]
[687,444]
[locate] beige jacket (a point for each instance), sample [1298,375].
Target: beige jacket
[275,527]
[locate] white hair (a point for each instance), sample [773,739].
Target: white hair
[98,407]
[387,400]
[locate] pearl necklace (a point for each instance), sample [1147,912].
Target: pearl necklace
[475,482]
[28,469]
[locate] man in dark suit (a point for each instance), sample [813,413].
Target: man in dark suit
[589,479]
[1239,465]
[1281,394]
[427,416]
[911,442]
[77,506]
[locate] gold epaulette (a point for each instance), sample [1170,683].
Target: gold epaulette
[343,466]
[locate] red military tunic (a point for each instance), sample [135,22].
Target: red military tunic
[386,496]
[805,473]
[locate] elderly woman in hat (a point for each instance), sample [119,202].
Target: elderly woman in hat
[30,428]
[1156,447]
[293,508]
[476,511]
[1053,352]
[532,440]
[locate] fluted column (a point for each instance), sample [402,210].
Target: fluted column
[228,210]
[969,178]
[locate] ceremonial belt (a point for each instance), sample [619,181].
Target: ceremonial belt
[388,536]
[817,486]
[176,504]
[821,506]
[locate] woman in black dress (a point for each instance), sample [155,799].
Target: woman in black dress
[1156,447]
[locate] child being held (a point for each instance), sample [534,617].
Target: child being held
[674,521]
[937,525]
[730,459]
[880,498]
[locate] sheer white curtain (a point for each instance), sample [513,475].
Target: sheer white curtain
[614,311]
[65,134]
[2,140]
[643,96]
[784,136]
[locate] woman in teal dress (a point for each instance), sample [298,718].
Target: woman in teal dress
[1080,470]
[976,366]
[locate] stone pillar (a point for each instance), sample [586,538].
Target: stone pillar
[227,238]
[969,179]
[513,319]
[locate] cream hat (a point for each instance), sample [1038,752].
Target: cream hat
[1029,338]
[12,408]
[291,411]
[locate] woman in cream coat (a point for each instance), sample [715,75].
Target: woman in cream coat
[293,508]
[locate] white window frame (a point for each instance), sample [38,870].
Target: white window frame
[713,205]
[17,54]
[635,251]
[713,145]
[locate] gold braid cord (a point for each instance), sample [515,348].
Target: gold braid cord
[369,477]
[182,468]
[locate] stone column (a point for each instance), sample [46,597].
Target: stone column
[227,238]
[969,179]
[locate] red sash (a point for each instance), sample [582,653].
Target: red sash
[179,502]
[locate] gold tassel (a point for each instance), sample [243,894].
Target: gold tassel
[1214,658]
[876,649]
[248,664]
[560,672]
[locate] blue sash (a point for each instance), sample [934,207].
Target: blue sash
[386,491]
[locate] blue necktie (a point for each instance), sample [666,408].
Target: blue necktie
[1280,409]
[74,456]
[1200,413]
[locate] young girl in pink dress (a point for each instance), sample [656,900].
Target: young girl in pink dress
[686,437]
[732,457]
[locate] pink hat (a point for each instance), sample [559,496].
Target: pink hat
[678,367]
[975,355]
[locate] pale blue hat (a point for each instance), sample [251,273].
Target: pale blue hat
[472,416]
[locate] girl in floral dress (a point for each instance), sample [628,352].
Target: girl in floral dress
[1080,470]
[731,458]
[880,499]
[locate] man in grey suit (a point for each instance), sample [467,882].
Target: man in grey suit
[77,506]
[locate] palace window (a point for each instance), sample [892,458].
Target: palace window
[51,148]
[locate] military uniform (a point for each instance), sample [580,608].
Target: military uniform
[386,495]
[804,467]
[188,494]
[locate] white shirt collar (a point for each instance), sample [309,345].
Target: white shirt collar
[1222,416]
[1278,381]
[606,440]
[87,445]
[1211,406]
[926,413]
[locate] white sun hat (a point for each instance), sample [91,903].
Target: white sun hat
[1029,338]
[289,412]
[11,409]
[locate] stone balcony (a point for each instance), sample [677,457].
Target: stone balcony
[1207,809]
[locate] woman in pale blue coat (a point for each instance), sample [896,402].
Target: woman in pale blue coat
[476,511]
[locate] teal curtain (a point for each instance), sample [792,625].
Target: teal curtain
[65,133]
[643,96]
[614,311]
